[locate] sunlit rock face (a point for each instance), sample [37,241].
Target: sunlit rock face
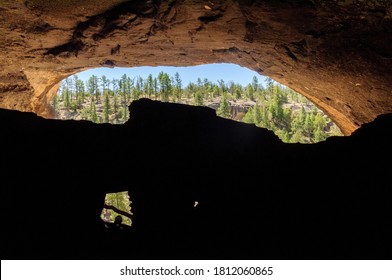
[336,53]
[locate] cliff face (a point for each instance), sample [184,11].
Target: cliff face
[336,53]
[258,198]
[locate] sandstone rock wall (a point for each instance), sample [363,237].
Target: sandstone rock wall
[336,53]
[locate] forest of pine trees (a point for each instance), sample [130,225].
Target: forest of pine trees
[292,117]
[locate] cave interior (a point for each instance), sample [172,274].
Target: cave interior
[258,198]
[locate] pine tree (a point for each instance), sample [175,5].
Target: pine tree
[165,86]
[156,89]
[54,104]
[257,116]
[238,93]
[250,92]
[177,87]
[69,86]
[93,114]
[80,92]
[286,137]
[222,87]
[125,114]
[308,125]
[224,108]
[92,87]
[248,118]
[106,107]
[270,84]
[123,88]
[319,122]
[149,85]
[130,86]
[137,90]
[255,84]
[319,135]
[298,136]
[105,84]
[115,107]
[199,98]
[67,102]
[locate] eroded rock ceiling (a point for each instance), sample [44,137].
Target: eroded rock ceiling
[336,53]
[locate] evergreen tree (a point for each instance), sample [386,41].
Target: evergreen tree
[250,92]
[70,90]
[92,87]
[265,121]
[249,116]
[106,107]
[165,86]
[232,88]
[137,90]
[55,103]
[286,137]
[190,90]
[308,126]
[319,135]
[224,108]
[199,98]
[124,114]
[257,116]
[149,86]
[66,97]
[177,87]
[94,117]
[80,91]
[115,107]
[115,86]
[297,137]
[319,122]
[286,119]
[214,91]
[156,88]
[270,84]
[105,84]
[222,87]
[123,88]
[141,83]
[129,89]
[199,83]
[255,84]
[238,93]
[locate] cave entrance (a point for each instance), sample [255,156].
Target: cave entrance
[102,95]
[117,209]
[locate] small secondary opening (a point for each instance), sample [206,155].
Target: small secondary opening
[102,95]
[117,209]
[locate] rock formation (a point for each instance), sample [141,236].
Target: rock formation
[258,198]
[337,53]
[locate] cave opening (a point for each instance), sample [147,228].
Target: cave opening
[103,95]
[117,209]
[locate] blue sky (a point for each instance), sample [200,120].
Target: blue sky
[213,72]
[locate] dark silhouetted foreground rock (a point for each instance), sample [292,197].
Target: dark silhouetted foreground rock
[258,198]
